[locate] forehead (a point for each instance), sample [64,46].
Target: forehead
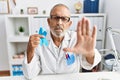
[60,11]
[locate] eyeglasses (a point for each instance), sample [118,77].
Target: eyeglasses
[63,18]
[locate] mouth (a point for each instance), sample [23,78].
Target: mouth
[58,30]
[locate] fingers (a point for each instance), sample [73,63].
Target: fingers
[35,40]
[87,27]
[83,27]
[68,49]
[79,28]
[94,33]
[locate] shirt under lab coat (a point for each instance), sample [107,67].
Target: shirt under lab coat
[52,60]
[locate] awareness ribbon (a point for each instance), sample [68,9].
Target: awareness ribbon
[43,41]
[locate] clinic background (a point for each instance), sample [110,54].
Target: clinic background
[110,7]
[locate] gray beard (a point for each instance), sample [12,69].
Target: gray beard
[60,35]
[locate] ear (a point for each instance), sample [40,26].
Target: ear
[48,20]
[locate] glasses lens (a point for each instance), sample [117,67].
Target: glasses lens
[64,19]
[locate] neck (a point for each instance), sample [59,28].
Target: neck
[57,40]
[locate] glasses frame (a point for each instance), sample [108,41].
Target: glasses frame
[60,17]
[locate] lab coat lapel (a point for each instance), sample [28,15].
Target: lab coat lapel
[65,44]
[52,49]
[51,45]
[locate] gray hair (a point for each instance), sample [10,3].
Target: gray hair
[57,6]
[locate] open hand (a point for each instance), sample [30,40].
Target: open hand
[85,39]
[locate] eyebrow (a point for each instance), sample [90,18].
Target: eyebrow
[61,16]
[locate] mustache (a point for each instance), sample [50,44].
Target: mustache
[59,27]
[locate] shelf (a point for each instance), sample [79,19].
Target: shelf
[19,39]
[17,61]
[46,16]
[17,16]
[90,14]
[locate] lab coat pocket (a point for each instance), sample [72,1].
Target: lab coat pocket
[70,58]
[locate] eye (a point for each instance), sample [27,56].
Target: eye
[53,17]
[57,17]
[64,19]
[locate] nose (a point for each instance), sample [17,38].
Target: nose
[59,21]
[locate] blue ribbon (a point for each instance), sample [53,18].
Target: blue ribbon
[43,41]
[70,59]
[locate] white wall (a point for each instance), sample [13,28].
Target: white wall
[113,19]
[3,52]
[48,4]
[44,4]
[113,13]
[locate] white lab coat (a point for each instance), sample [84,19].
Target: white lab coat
[51,59]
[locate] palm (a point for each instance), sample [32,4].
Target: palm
[85,40]
[84,44]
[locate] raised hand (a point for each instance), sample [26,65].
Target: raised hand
[86,39]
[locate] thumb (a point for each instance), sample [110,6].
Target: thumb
[68,49]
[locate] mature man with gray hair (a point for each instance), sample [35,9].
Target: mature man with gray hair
[67,51]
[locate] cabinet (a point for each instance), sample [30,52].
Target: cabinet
[16,44]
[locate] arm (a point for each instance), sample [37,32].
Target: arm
[33,68]
[31,64]
[96,60]
[34,41]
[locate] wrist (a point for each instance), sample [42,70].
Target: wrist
[90,57]
[90,53]
[30,55]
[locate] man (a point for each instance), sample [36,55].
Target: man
[51,59]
